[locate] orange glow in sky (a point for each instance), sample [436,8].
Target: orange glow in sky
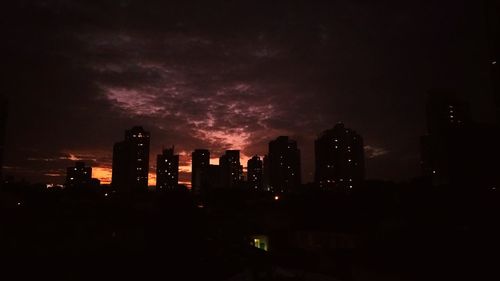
[103,174]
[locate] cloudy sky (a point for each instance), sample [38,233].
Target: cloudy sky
[231,75]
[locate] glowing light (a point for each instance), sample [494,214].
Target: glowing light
[102,173]
[276,198]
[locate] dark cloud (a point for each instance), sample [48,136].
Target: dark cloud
[231,74]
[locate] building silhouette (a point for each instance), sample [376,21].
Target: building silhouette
[3,129]
[255,173]
[79,176]
[213,178]
[339,159]
[283,162]
[167,170]
[200,162]
[266,173]
[131,161]
[447,118]
[446,113]
[231,171]
[456,150]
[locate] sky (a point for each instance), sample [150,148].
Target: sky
[231,75]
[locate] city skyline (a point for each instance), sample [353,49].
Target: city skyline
[342,140]
[78,73]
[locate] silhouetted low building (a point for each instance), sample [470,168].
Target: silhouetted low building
[78,176]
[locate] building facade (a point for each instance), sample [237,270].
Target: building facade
[167,170]
[255,173]
[131,161]
[200,163]
[283,162]
[230,169]
[339,159]
[78,176]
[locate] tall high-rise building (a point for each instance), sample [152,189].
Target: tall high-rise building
[230,168]
[339,158]
[448,117]
[199,169]
[78,176]
[131,161]
[284,164]
[458,151]
[255,172]
[167,170]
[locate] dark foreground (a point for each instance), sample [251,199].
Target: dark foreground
[380,232]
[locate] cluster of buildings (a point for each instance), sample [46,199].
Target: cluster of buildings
[339,165]
[455,151]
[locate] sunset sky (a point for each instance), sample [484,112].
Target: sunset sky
[231,75]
